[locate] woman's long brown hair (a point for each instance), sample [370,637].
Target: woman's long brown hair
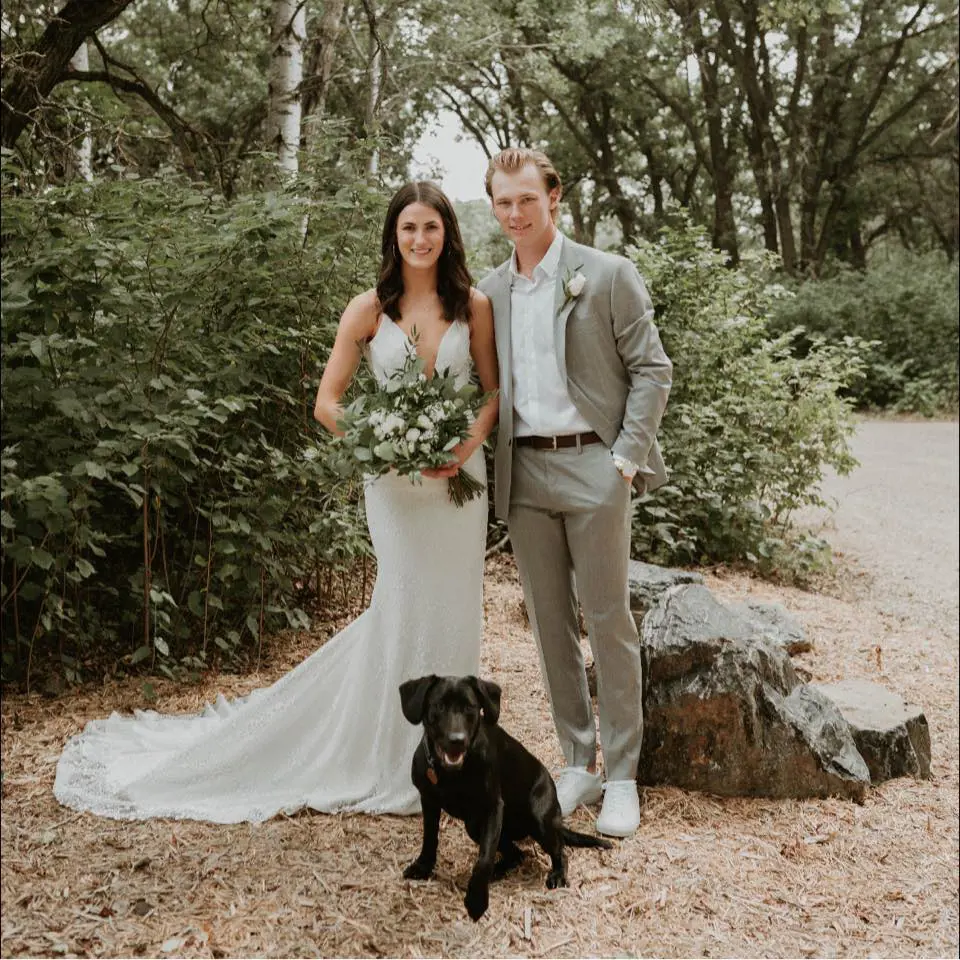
[453,277]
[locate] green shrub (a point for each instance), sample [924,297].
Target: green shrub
[749,428]
[161,483]
[908,305]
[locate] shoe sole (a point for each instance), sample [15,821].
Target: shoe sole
[586,801]
[619,834]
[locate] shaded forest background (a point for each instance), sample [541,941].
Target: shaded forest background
[192,190]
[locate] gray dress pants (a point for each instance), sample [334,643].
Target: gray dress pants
[569,524]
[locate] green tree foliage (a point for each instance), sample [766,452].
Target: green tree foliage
[163,488]
[750,427]
[906,304]
[771,122]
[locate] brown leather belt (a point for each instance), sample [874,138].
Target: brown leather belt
[555,443]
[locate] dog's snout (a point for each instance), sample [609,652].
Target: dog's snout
[460,737]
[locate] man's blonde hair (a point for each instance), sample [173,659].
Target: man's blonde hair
[516,158]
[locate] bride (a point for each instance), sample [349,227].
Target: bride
[330,735]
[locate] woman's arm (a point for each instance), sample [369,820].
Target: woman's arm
[483,350]
[358,324]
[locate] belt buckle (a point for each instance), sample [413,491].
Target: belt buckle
[553,440]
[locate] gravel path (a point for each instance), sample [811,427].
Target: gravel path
[896,518]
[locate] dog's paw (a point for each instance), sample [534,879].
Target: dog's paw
[418,871]
[556,878]
[477,900]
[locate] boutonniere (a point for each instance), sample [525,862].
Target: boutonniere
[573,286]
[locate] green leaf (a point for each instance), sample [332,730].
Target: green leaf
[41,558]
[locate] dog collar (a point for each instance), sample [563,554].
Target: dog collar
[431,763]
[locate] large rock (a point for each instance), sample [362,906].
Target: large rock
[892,736]
[725,713]
[776,623]
[649,582]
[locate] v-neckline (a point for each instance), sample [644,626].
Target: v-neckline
[406,336]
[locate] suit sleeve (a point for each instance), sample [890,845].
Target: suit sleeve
[648,368]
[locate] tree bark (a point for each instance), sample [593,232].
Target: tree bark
[32,75]
[83,151]
[286,76]
[323,58]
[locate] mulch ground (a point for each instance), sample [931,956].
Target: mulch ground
[702,877]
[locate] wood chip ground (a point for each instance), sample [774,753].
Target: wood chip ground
[702,877]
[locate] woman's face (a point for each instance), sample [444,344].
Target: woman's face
[420,235]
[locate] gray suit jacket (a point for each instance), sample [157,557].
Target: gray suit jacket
[609,352]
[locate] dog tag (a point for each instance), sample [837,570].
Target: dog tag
[432,775]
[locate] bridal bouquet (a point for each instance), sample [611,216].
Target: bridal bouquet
[410,424]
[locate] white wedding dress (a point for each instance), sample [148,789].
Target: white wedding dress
[330,735]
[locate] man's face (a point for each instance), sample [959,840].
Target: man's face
[523,206]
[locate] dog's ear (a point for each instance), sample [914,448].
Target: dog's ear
[413,697]
[489,695]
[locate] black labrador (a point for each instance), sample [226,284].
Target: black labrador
[469,766]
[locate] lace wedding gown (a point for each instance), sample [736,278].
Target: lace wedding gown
[329,735]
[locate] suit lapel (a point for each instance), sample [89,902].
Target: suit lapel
[500,300]
[561,305]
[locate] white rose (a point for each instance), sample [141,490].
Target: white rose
[394,424]
[576,284]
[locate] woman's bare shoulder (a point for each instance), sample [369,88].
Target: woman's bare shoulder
[478,298]
[480,306]
[362,314]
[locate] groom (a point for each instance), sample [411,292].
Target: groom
[583,385]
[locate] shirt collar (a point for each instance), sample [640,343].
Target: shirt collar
[548,266]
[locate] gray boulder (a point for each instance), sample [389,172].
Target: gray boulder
[892,736]
[725,713]
[649,582]
[776,623]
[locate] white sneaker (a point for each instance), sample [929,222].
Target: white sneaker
[577,785]
[620,813]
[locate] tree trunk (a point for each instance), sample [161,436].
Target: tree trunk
[721,163]
[788,246]
[83,151]
[375,78]
[323,58]
[35,73]
[286,75]
[656,178]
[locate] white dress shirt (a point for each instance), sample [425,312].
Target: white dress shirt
[542,406]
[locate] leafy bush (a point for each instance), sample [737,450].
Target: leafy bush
[161,483]
[908,305]
[750,427]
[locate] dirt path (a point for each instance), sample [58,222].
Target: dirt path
[703,876]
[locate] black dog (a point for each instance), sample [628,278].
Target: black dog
[472,768]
